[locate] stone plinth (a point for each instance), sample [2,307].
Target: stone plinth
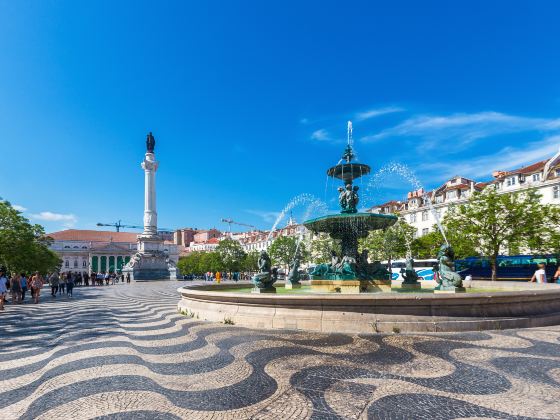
[350,286]
[451,290]
[264,290]
[409,286]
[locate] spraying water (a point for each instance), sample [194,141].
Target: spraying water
[314,204]
[406,173]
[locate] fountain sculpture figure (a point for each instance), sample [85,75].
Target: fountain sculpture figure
[349,271]
[448,280]
[266,277]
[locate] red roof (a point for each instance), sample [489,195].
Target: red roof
[212,241]
[93,236]
[535,167]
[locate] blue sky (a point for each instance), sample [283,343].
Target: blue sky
[249,100]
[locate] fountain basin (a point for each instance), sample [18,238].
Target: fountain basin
[535,305]
[358,223]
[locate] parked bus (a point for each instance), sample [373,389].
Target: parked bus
[512,268]
[424,268]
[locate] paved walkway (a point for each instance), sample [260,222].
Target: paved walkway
[124,352]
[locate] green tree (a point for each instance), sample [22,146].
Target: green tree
[250,262]
[23,246]
[427,246]
[321,246]
[210,261]
[495,222]
[283,250]
[390,243]
[190,264]
[231,254]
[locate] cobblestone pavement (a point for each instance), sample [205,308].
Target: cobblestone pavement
[124,352]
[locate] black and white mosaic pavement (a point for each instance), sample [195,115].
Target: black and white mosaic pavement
[123,351]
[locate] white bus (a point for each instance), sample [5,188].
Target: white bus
[424,268]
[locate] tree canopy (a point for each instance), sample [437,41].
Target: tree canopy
[23,246]
[283,250]
[493,223]
[231,254]
[390,243]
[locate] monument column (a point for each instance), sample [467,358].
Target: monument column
[150,167]
[151,261]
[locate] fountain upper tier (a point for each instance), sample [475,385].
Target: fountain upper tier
[348,171]
[350,224]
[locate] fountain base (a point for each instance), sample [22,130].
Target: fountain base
[450,290]
[413,286]
[350,286]
[257,290]
[290,286]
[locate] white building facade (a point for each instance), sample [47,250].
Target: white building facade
[543,176]
[87,251]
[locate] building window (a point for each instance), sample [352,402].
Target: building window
[439,198]
[425,231]
[84,263]
[75,263]
[412,217]
[424,216]
[536,177]
[438,214]
[510,181]
[556,192]
[67,264]
[451,194]
[415,234]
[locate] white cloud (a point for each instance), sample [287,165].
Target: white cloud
[372,113]
[321,135]
[19,208]
[47,216]
[505,159]
[267,216]
[304,121]
[464,128]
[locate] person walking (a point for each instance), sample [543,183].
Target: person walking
[70,285]
[54,280]
[62,283]
[3,290]
[36,285]
[540,274]
[15,288]
[556,276]
[23,281]
[128,277]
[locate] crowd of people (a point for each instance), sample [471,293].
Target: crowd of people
[17,284]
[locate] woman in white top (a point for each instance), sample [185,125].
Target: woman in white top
[540,274]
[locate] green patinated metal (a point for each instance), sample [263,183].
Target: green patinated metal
[349,226]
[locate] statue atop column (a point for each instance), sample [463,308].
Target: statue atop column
[150,143]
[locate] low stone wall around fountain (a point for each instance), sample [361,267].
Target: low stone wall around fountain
[538,305]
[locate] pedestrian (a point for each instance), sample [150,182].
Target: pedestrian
[3,290]
[556,276]
[54,280]
[540,274]
[128,277]
[62,283]
[70,285]
[15,288]
[36,285]
[23,281]
[86,279]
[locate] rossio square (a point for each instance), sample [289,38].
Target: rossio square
[390,257]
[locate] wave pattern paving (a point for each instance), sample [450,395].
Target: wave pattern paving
[124,352]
